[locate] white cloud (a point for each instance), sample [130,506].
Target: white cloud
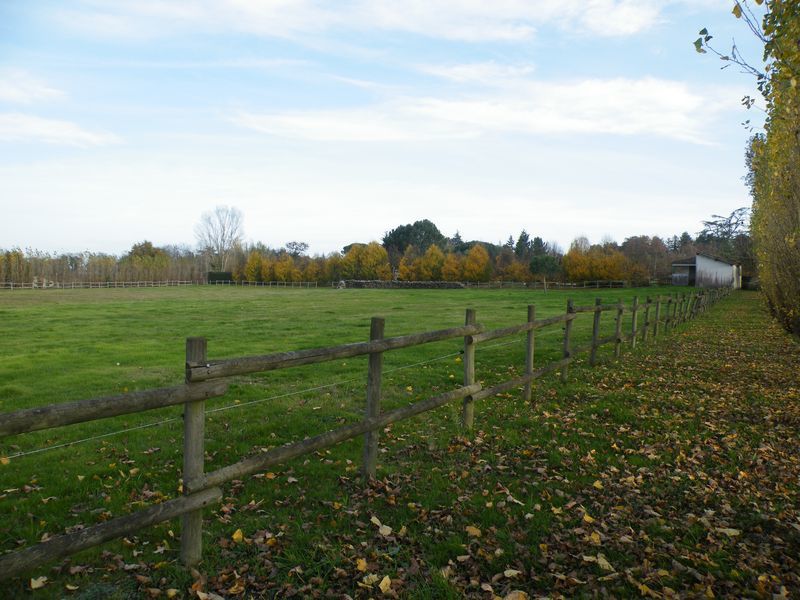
[468,20]
[20,87]
[485,73]
[22,127]
[383,123]
[648,106]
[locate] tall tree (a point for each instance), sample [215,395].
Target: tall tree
[218,233]
[772,158]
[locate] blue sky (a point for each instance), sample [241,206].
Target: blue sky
[333,122]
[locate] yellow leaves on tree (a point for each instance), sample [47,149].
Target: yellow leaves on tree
[477,266]
[368,261]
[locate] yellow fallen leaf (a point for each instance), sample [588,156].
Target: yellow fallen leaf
[385,530]
[603,563]
[361,565]
[4,460]
[38,583]
[72,588]
[370,579]
[595,537]
[336,506]
[511,573]
[598,485]
[516,595]
[473,531]
[270,475]
[172,593]
[385,584]
[587,518]
[375,521]
[237,536]
[729,532]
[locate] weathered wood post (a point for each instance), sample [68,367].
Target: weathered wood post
[634,317]
[618,330]
[567,339]
[373,408]
[529,350]
[595,331]
[675,320]
[468,407]
[194,425]
[668,315]
[646,327]
[658,316]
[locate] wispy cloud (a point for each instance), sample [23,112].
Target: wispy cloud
[648,106]
[18,86]
[468,20]
[22,127]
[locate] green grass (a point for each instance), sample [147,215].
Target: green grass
[67,345]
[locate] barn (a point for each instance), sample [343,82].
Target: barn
[703,270]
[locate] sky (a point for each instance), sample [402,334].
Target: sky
[335,122]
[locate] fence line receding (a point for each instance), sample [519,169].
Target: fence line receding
[206,379]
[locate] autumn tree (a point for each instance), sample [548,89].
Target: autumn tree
[772,158]
[366,261]
[452,269]
[431,263]
[477,266]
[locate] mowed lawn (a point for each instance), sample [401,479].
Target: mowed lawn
[310,525]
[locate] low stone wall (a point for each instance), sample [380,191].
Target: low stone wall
[386,285]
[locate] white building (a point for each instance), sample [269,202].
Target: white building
[703,270]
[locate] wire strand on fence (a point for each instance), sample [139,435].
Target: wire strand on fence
[223,408]
[250,403]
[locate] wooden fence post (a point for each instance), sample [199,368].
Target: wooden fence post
[646,327]
[194,425]
[468,407]
[595,331]
[618,330]
[634,316]
[675,312]
[658,316]
[529,350]
[373,400]
[567,340]
[668,315]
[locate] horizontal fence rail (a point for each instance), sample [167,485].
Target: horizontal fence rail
[659,315]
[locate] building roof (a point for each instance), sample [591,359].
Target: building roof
[691,261]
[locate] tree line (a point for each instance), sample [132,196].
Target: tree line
[413,252]
[772,156]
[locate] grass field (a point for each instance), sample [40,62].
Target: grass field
[307,526]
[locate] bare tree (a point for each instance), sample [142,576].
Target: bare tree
[218,232]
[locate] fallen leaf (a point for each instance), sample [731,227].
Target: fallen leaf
[385,584]
[511,573]
[38,583]
[472,531]
[237,536]
[516,595]
[361,564]
[729,532]
[385,530]
[4,460]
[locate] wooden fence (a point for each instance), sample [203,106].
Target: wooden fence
[80,285]
[206,379]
